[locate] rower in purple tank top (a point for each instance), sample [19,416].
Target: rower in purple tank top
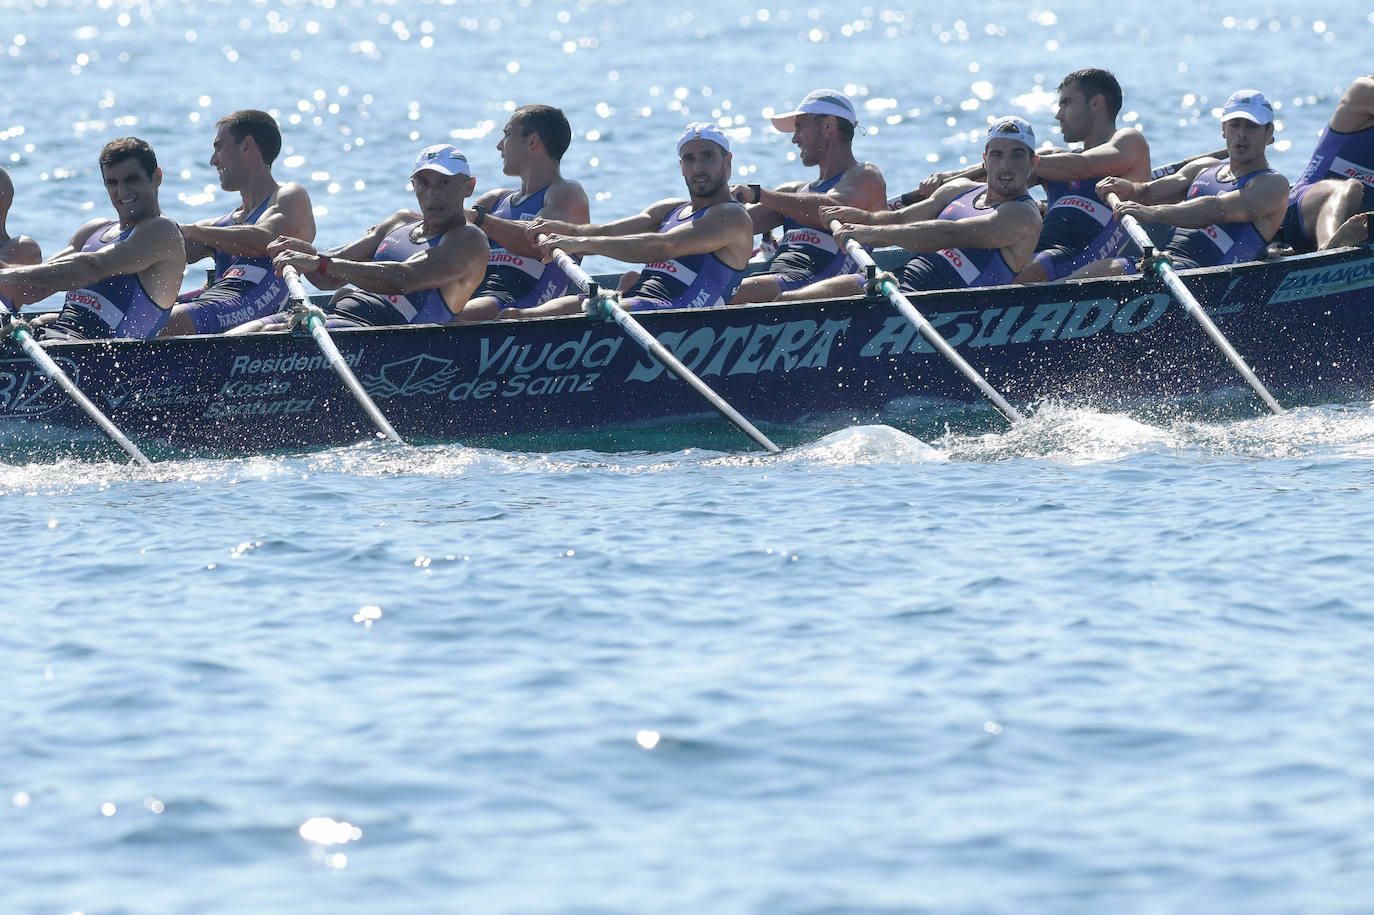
[822,128]
[1222,213]
[695,250]
[121,276]
[531,146]
[965,234]
[245,286]
[409,268]
[1330,203]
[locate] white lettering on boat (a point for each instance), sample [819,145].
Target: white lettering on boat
[747,350]
[1011,325]
[291,362]
[1317,282]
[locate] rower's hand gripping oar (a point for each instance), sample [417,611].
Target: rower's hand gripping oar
[608,303]
[303,312]
[17,330]
[918,320]
[1185,298]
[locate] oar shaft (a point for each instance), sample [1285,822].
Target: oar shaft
[927,330]
[1195,310]
[336,360]
[47,366]
[1165,171]
[636,332]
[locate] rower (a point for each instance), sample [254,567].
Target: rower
[1329,204]
[822,129]
[15,250]
[410,268]
[123,274]
[1223,212]
[1079,227]
[245,286]
[696,248]
[531,146]
[965,234]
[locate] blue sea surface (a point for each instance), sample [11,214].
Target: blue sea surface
[1095,662]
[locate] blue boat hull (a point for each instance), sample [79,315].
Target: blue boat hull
[1305,325]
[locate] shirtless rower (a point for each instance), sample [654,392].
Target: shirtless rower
[245,287]
[965,234]
[822,129]
[1223,212]
[1079,227]
[411,268]
[531,147]
[123,274]
[1330,203]
[15,250]
[696,249]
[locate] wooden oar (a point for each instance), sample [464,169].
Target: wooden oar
[608,301]
[315,324]
[1185,298]
[1165,171]
[927,330]
[18,331]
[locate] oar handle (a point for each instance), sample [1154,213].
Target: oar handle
[572,268]
[927,330]
[294,287]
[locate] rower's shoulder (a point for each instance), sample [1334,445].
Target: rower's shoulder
[291,190]
[467,237]
[21,250]
[565,191]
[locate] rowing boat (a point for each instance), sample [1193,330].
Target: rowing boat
[1305,323]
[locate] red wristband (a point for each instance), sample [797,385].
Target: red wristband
[322,265]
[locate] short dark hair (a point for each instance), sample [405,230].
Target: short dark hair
[549,123]
[1093,81]
[256,124]
[846,129]
[116,151]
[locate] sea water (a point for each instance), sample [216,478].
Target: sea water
[1091,663]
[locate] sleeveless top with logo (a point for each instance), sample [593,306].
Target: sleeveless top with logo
[1344,155]
[514,280]
[116,307]
[244,289]
[1079,228]
[805,254]
[1226,243]
[690,281]
[374,309]
[959,268]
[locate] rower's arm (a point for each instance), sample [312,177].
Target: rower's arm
[1003,227]
[564,201]
[459,257]
[928,208]
[647,221]
[1127,154]
[765,218]
[724,225]
[305,257]
[1263,197]
[290,215]
[150,242]
[1355,111]
[865,190]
